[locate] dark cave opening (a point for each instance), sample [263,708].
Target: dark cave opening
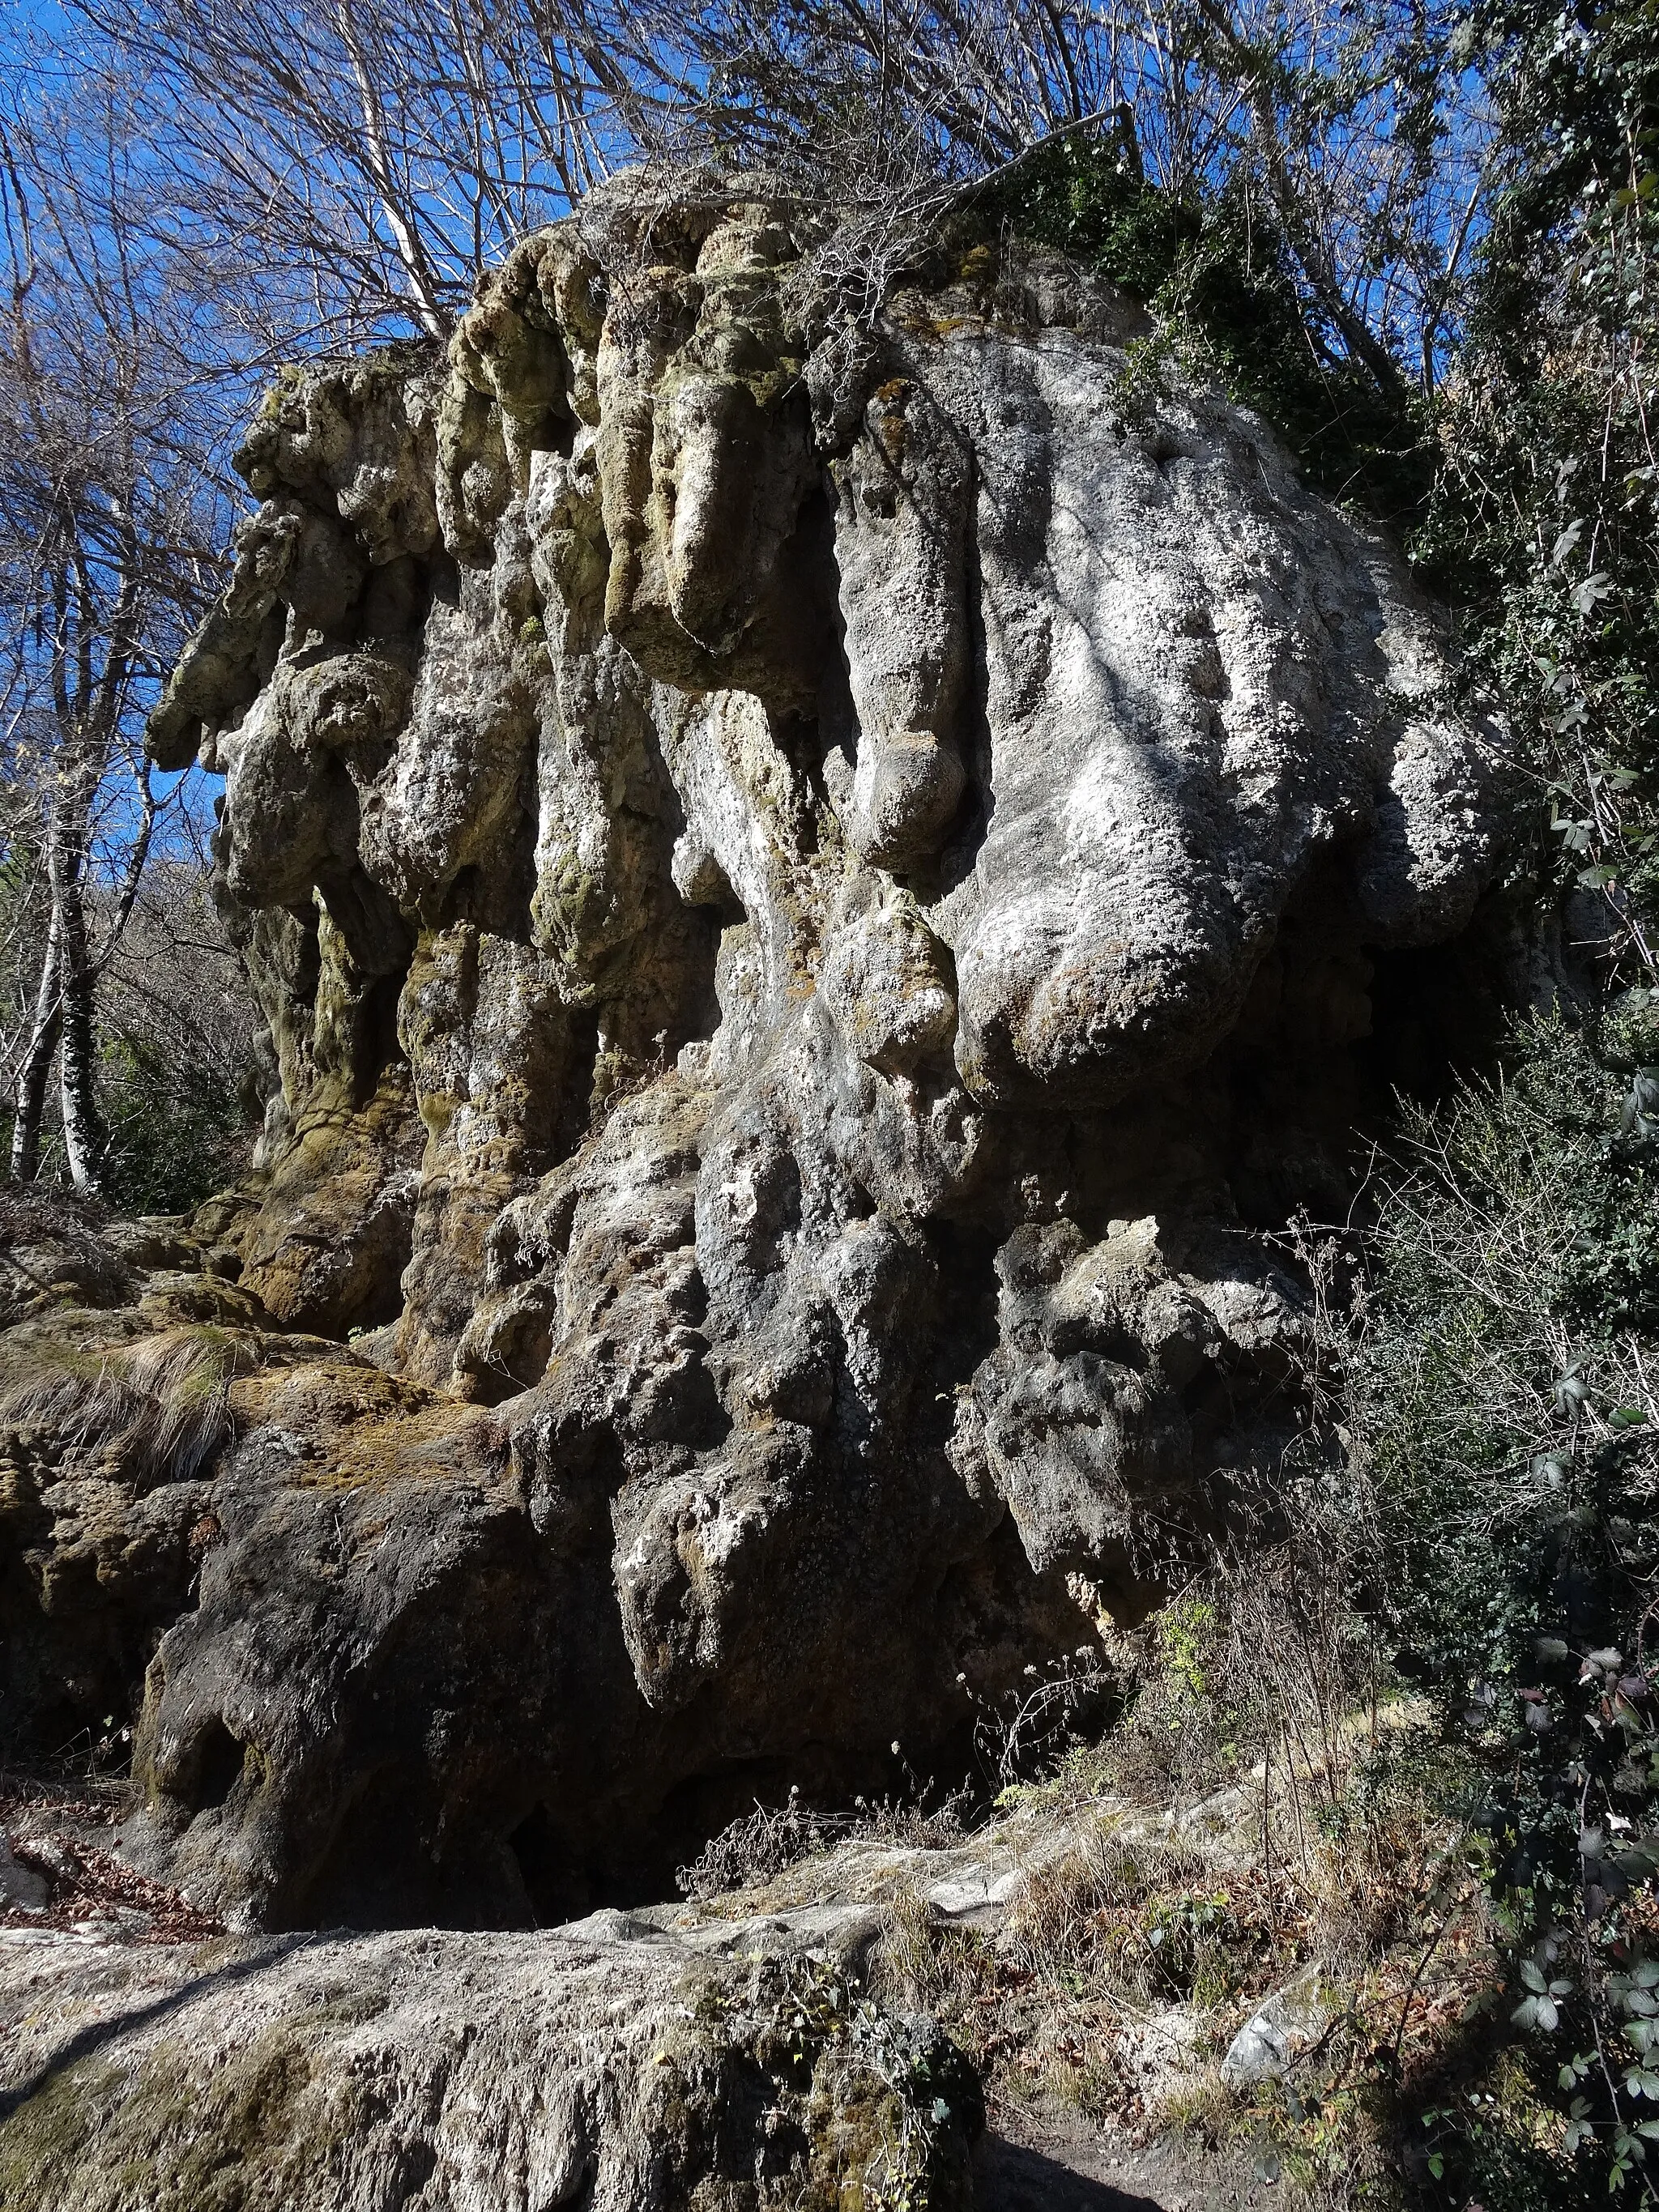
[213,1768]
[555,1887]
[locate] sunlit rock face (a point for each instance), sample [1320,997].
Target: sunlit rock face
[817,886]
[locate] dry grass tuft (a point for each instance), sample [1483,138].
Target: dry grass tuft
[160,1409]
[1056,1922]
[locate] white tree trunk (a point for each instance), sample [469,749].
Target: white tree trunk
[31,1097]
[85,1140]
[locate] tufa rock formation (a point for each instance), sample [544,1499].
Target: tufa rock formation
[614,2065]
[816,886]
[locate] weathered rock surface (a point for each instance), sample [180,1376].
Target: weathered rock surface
[815,888]
[614,2067]
[487,2071]
[1279,2031]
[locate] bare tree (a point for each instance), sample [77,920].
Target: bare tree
[110,509]
[186,1064]
[370,156]
[1353,138]
[1374,154]
[377,154]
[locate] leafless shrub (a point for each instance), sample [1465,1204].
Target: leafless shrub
[751,1851]
[1025,1733]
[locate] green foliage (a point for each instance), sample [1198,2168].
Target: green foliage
[1503,1400]
[1086,196]
[176,1133]
[1544,524]
[1188,1630]
[1213,264]
[1519,1265]
[1499,2144]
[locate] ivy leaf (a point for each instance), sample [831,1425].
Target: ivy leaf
[1588,595]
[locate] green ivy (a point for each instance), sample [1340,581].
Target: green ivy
[1212,266]
[1505,1398]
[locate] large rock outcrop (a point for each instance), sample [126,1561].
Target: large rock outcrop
[816,885]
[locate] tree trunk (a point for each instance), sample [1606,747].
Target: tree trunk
[37,1063]
[85,1138]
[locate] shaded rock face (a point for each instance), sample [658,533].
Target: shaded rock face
[814,886]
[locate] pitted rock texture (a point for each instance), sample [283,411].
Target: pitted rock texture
[816,888]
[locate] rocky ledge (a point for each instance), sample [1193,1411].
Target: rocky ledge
[819,884]
[604,2065]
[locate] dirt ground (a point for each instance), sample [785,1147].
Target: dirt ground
[1049,2159]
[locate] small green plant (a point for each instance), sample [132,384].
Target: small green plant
[1188,1631]
[912,2099]
[1142,383]
[1220,281]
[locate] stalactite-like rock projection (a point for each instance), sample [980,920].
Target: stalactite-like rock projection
[817,886]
